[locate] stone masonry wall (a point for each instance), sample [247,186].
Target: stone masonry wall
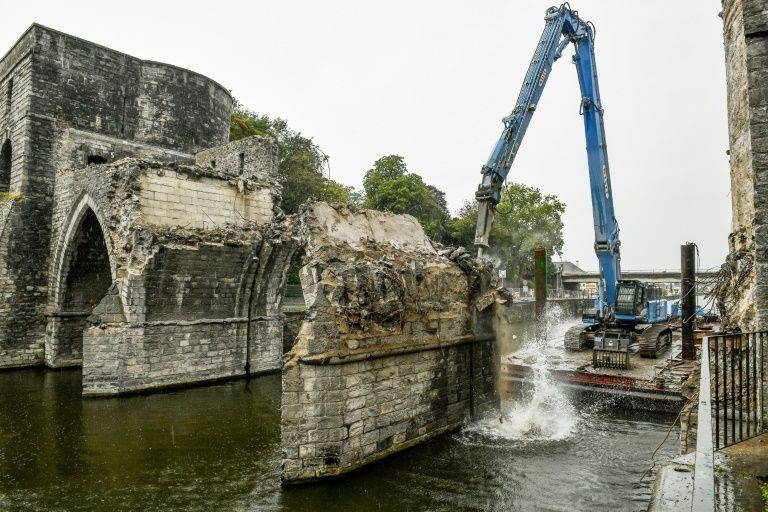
[23,250]
[338,417]
[188,303]
[125,357]
[97,89]
[391,352]
[223,322]
[245,157]
[74,149]
[169,198]
[743,293]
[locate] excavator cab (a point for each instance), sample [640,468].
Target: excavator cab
[639,320]
[630,301]
[639,303]
[612,342]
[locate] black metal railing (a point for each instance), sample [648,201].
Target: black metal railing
[731,393]
[735,362]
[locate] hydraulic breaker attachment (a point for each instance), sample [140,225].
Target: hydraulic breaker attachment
[484,225]
[611,349]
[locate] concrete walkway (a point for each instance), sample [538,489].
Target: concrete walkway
[739,470]
[744,468]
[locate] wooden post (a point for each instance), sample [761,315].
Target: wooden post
[540,278]
[688,298]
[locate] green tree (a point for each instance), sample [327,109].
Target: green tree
[524,219]
[300,161]
[390,187]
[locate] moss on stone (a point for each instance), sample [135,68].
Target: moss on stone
[6,197]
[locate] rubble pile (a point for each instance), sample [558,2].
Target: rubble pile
[390,285]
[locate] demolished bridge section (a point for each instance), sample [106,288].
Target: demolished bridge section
[394,349]
[136,243]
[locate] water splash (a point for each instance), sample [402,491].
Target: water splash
[543,412]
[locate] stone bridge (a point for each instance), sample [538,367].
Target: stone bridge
[136,242]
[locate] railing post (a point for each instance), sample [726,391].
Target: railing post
[755,384]
[748,376]
[716,339]
[759,359]
[733,393]
[725,391]
[741,388]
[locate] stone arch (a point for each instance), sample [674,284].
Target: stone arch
[259,300]
[293,301]
[85,205]
[84,271]
[6,160]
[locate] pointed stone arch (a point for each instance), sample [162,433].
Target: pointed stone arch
[84,270]
[83,206]
[259,299]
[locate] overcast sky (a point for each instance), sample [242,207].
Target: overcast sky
[431,81]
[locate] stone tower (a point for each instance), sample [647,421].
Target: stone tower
[70,104]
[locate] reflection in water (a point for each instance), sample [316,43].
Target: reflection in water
[195,448]
[217,448]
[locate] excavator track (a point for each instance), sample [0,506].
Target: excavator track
[654,340]
[576,338]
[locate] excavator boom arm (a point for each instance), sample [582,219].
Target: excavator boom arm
[563,26]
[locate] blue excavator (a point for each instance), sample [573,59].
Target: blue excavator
[626,316]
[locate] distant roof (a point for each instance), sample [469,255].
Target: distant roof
[568,268]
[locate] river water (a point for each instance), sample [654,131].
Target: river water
[217,448]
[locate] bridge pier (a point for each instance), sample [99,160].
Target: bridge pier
[396,346]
